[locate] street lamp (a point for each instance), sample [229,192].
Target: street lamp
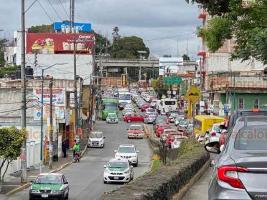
[42,111]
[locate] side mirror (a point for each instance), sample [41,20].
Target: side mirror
[104,137]
[212,147]
[105,166]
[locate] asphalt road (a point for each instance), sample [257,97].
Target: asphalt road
[86,178]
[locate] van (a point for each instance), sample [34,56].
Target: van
[203,123]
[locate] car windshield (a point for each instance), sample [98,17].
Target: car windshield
[118,165]
[216,129]
[112,115]
[49,179]
[251,138]
[111,107]
[126,150]
[96,135]
[183,122]
[135,127]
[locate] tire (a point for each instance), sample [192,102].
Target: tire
[105,182]
[67,197]
[136,164]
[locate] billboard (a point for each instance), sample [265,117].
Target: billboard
[66,26]
[59,43]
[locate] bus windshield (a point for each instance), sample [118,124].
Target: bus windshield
[125,97]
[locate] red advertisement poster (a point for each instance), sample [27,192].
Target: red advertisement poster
[59,43]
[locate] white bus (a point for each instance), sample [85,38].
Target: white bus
[167,105]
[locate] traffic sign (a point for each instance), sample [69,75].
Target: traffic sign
[193,94]
[171,80]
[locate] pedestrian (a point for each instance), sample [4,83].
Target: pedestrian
[64,148]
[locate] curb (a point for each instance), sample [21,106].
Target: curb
[193,180]
[26,185]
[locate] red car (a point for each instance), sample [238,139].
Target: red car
[171,138]
[135,131]
[133,118]
[144,107]
[160,129]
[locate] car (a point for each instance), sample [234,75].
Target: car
[135,131]
[176,142]
[240,170]
[133,118]
[160,129]
[171,134]
[154,103]
[178,119]
[150,111]
[150,118]
[96,139]
[49,186]
[183,124]
[118,170]
[215,132]
[161,119]
[172,117]
[112,118]
[129,152]
[144,107]
[127,110]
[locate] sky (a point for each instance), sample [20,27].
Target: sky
[167,26]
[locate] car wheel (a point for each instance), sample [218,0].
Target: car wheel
[67,196]
[105,182]
[136,164]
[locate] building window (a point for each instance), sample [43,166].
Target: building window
[241,103]
[256,103]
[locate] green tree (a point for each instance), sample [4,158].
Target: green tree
[3,43]
[11,140]
[128,47]
[186,57]
[45,28]
[102,44]
[8,70]
[247,25]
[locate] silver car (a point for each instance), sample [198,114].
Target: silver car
[150,118]
[240,171]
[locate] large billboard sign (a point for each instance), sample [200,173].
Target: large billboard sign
[60,43]
[66,26]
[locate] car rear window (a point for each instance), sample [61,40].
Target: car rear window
[251,138]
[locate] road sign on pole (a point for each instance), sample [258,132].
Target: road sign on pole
[171,80]
[193,94]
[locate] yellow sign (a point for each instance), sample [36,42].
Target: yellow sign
[193,94]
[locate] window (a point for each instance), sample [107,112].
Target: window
[256,103]
[241,103]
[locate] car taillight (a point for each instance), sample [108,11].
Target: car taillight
[213,134]
[229,174]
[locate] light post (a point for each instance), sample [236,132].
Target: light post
[140,69]
[42,112]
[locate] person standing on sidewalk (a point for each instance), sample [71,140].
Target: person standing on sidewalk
[64,148]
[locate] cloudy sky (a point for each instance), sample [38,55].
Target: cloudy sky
[167,26]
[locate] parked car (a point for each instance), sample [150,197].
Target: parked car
[240,171]
[118,170]
[96,139]
[150,118]
[144,107]
[112,118]
[49,186]
[133,118]
[129,152]
[135,131]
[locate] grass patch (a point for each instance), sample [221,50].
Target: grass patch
[156,164]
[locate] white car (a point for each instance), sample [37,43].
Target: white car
[176,143]
[96,139]
[127,151]
[118,170]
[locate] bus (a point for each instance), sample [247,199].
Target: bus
[167,105]
[109,105]
[125,97]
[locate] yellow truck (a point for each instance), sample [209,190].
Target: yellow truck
[204,123]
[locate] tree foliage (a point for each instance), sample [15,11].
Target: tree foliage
[102,44]
[246,24]
[128,47]
[11,140]
[8,70]
[3,43]
[45,28]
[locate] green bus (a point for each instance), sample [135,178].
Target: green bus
[109,105]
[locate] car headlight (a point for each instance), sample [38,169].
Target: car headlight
[56,191]
[127,172]
[35,191]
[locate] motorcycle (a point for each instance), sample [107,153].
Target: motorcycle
[76,157]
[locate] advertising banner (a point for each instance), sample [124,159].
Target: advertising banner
[60,43]
[65,27]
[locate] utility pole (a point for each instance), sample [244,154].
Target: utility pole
[51,124]
[23,92]
[42,121]
[75,73]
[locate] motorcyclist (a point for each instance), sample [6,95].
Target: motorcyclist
[76,149]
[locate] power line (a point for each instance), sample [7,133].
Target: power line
[55,10]
[45,12]
[68,16]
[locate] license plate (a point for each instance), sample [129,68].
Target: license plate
[44,195]
[116,178]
